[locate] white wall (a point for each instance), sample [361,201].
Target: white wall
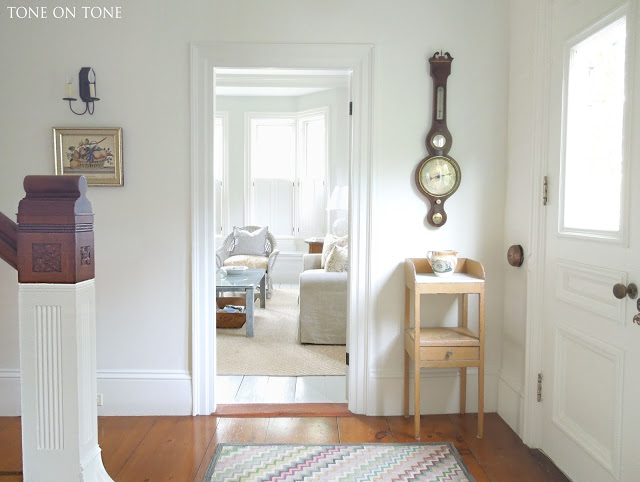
[143,229]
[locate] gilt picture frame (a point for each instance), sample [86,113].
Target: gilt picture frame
[95,153]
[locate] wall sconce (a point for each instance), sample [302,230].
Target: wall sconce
[86,90]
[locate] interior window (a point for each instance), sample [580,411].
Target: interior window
[288,161]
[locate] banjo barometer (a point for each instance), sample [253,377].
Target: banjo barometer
[438,174]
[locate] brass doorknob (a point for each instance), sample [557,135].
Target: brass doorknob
[515,255]
[620,291]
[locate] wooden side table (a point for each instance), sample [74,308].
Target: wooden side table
[315,244]
[442,347]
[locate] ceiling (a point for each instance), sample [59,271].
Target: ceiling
[277,82]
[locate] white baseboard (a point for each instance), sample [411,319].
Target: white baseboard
[440,391]
[9,393]
[138,392]
[124,392]
[511,403]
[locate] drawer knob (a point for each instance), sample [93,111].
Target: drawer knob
[449,354]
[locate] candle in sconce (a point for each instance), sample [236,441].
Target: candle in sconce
[92,90]
[69,90]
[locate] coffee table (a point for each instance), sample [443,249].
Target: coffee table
[247,281]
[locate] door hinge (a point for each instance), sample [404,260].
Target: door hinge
[347,358]
[350,108]
[545,191]
[539,396]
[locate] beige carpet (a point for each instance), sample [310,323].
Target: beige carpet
[274,349]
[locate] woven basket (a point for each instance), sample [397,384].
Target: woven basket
[230,320]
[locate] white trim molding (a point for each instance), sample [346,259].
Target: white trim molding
[532,419]
[511,402]
[10,389]
[145,392]
[124,392]
[442,385]
[206,58]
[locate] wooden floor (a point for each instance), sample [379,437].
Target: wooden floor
[179,448]
[246,389]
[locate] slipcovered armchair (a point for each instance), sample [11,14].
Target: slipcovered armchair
[323,304]
[250,246]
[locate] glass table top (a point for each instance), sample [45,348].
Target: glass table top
[248,277]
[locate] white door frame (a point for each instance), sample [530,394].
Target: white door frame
[205,58]
[532,420]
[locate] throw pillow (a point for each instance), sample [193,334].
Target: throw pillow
[338,260]
[330,242]
[251,243]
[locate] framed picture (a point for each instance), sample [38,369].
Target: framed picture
[95,153]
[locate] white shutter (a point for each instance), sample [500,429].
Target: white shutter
[311,208]
[261,212]
[273,205]
[217,189]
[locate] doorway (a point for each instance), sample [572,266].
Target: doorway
[281,153]
[206,59]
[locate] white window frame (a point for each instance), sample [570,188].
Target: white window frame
[222,224]
[619,237]
[298,118]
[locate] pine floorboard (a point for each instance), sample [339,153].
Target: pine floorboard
[180,448]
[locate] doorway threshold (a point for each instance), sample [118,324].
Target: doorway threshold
[283,410]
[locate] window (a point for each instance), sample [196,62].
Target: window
[287,166]
[593,156]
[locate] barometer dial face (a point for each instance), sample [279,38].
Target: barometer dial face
[439,176]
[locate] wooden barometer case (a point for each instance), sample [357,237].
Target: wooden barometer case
[438,175]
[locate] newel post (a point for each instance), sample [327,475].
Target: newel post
[57,332]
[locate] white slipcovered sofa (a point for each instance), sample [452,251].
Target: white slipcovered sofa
[323,304]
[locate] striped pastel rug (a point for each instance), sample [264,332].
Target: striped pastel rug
[338,462]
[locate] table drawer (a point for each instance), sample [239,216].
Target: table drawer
[449,353]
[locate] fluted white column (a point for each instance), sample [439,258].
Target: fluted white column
[58,380]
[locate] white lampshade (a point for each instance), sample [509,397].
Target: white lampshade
[339,198]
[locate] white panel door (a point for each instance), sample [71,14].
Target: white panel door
[591,385]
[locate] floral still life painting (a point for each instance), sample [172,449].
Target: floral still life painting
[94,153]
